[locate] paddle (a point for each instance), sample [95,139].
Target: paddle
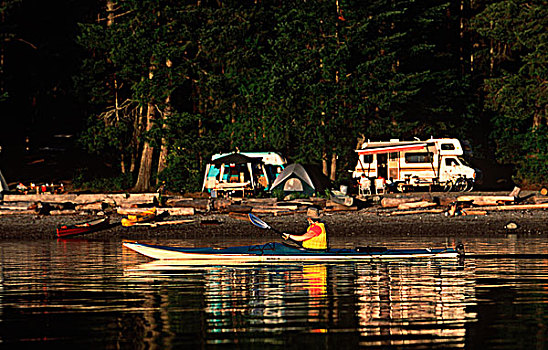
[260,223]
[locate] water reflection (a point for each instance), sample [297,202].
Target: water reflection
[380,304]
[87,293]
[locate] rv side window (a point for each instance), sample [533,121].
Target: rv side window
[416,157]
[393,155]
[447,147]
[368,158]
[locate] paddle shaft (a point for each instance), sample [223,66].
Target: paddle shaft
[260,223]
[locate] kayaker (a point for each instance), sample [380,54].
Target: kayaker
[315,237]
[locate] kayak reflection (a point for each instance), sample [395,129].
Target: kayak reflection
[385,302]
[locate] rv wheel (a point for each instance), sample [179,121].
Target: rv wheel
[447,186]
[469,185]
[460,185]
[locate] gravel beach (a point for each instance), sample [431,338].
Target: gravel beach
[360,223]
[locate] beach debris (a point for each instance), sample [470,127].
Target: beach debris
[423,211]
[515,192]
[511,226]
[164,223]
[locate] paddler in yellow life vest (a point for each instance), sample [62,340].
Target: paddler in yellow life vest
[315,237]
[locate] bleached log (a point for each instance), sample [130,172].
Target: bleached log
[179,211]
[64,212]
[540,199]
[132,211]
[421,204]
[272,210]
[164,223]
[17,212]
[411,212]
[11,207]
[346,200]
[515,207]
[260,201]
[332,206]
[388,202]
[473,212]
[487,200]
[239,216]
[89,206]
[290,212]
[118,198]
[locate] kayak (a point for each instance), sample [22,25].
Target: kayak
[137,217]
[276,252]
[82,227]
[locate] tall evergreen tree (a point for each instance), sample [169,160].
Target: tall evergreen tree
[516,50]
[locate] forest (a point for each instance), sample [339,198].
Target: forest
[153,88]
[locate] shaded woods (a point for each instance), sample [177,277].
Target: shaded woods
[154,88]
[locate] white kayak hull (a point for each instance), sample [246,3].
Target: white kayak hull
[210,255]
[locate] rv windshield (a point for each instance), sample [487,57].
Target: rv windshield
[464,162]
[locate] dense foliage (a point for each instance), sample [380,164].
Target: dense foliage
[176,81]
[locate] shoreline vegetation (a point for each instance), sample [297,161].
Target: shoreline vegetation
[34,217]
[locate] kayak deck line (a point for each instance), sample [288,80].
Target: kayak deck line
[271,252]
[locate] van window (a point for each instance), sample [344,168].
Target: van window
[418,157]
[447,147]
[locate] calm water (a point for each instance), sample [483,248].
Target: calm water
[98,294]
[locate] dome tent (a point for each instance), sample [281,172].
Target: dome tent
[306,179]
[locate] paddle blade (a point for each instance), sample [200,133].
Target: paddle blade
[258,222]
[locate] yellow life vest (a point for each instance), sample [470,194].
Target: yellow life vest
[318,242]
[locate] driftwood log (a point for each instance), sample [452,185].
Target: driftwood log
[389,202]
[487,200]
[423,211]
[515,207]
[421,204]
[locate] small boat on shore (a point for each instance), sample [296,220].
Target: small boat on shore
[277,252]
[80,228]
[139,217]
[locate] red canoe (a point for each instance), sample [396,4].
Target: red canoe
[82,227]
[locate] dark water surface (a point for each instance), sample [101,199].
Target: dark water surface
[96,294]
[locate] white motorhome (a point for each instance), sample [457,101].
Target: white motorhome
[409,164]
[242,172]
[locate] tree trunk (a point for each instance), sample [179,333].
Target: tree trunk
[145,169]
[333,166]
[324,164]
[162,160]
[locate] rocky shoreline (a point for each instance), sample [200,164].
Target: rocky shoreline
[360,223]
[36,217]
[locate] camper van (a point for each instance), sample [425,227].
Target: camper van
[242,172]
[405,165]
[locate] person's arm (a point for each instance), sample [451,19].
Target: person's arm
[298,238]
[312,232]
